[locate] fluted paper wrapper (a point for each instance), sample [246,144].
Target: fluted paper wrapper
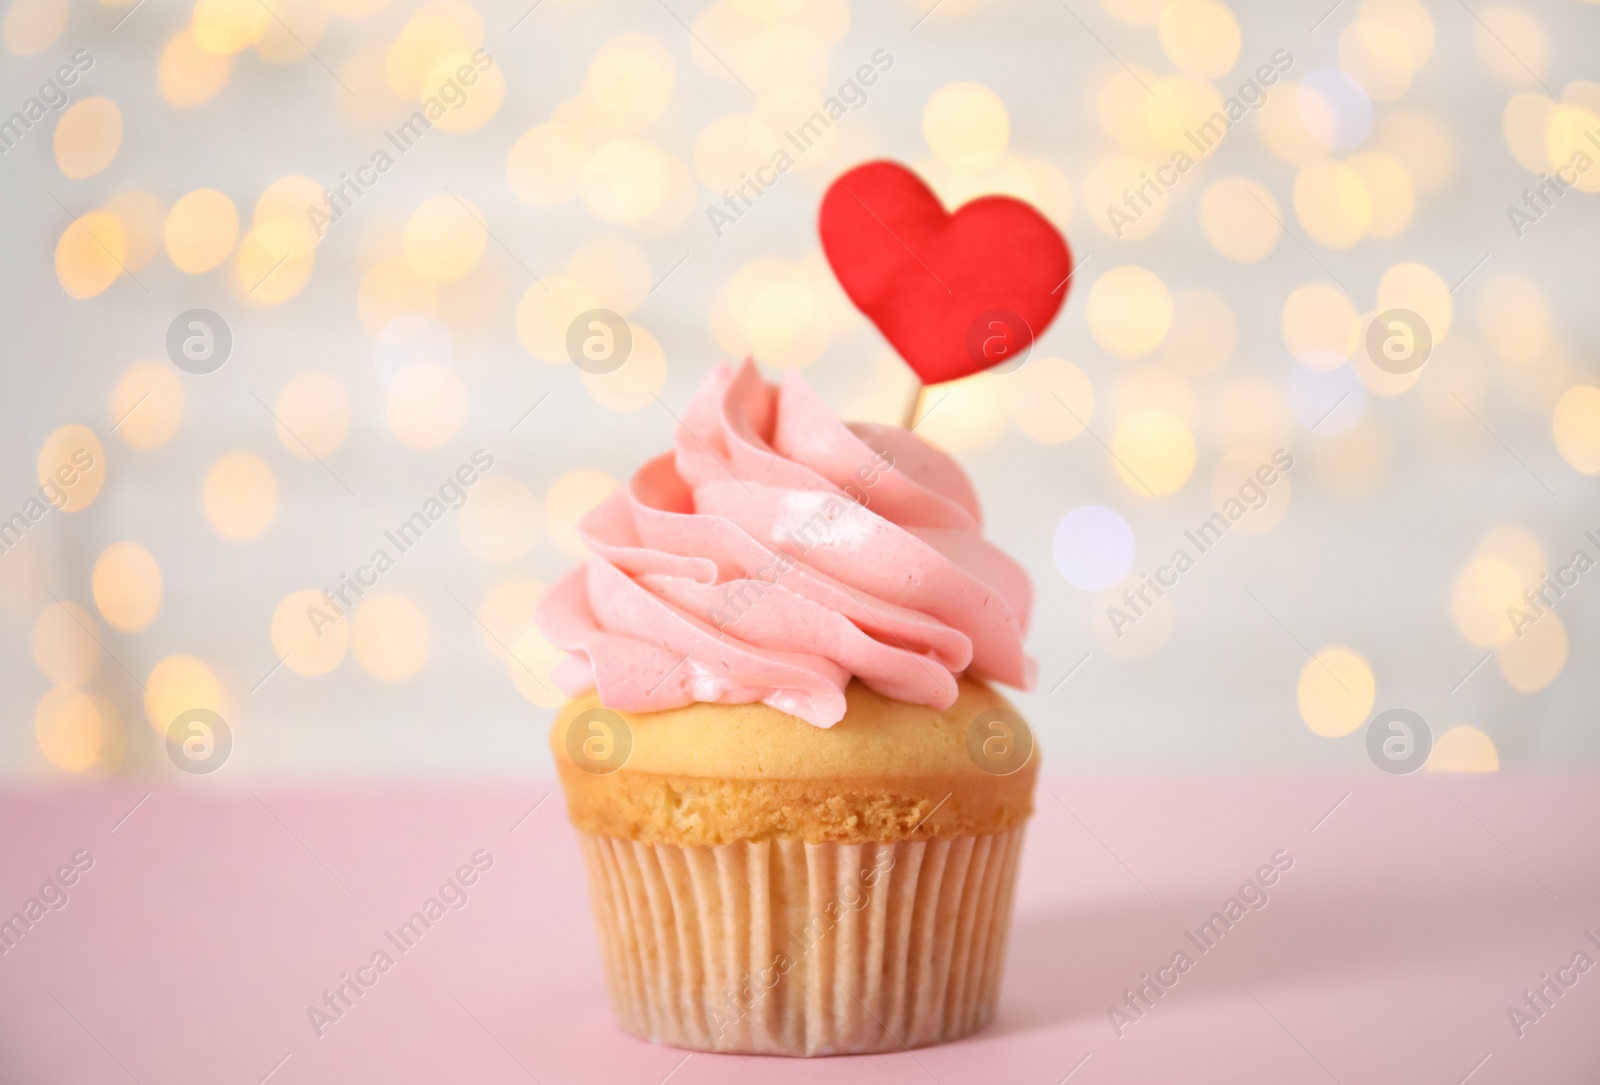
[788,948]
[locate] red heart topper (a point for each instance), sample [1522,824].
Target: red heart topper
[955,294]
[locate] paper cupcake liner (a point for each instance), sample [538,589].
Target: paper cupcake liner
[789,948]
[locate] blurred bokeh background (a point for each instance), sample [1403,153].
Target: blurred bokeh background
[161,157]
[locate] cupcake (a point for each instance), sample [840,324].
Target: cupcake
[799,800]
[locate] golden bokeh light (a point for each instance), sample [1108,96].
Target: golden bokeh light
[273,264]
[636,383]
[127,586]
[1119,106]
[629,83]
[201,230]
[178,684]
[1511,44]
[287,205]
[570,499]
[1568,146]
[1135,12]
[445,238]
[500,520]
[69,729]
[91,253]
[1463,749]
[425,405]
[435,32]
[614,270]
[471,105]
[545,167]
[506,613]
[1377,380]
[1533,660]
[392,637]
[1252,410]
[1240,219]
[1377,56]
[1352,465]
[293,31]
[1129,311]
[966,125]
[240,496]
[1149,385]
[1336,691]
[32,26]
[87,137]
[1051,399]
[371,100]
[65,647]
[1204,333]
[228,26]
[1576,428]
[1388,188]
[1237,480]
[1146,636]
[1332,203]
[1408,18]
[1524,125]
[973,415]
[1320,326]
[188,75]
[1517,547]
[1484,594]
[147,404]
[475,302]
[1111,185]
[1282,129]
[1421,142]
[71,468]
[312,414]
[1515,318]
[389,288]
[625,180]
[728,148]
[771,308]
[1569,135]
[142,216]
[534,658]
[307,642]
[1154,452]
[545,313]
[1178,106]
[1200,36]
[1418,288]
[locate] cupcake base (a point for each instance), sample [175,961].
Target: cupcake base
[786,948]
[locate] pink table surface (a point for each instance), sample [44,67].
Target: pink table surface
[1416,912]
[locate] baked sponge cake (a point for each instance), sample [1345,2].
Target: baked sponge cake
[800,802]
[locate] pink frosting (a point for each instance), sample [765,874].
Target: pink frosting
[779,552]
